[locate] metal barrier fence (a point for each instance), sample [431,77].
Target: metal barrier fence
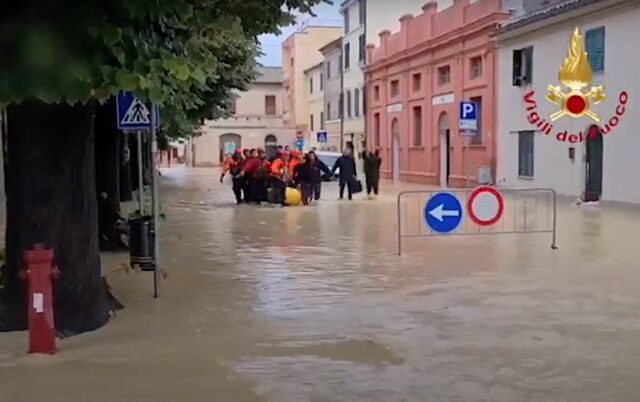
[521,211]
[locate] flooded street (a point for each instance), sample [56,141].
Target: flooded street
[312,304]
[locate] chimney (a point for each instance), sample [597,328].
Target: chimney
[405,22]
[429,9]
[384,36]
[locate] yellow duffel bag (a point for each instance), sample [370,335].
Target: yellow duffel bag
[292,197]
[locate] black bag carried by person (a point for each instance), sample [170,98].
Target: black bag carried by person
[356,186]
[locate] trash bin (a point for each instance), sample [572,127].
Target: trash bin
[141,242]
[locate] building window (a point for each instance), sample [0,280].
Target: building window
[477,139]
[523,66]
[417,82]
[417,126]
[394,88]
[321,81]
[328,110]
[292,62]
[525,153]
[362,48]
[341,106]
[321,120]
[356,102]
[475,67]
[362,11]
[348,103]
[594,45]
[376,93]
[376,129]
[310,85]
[364,101]
[347,27]
[444,75]
[347,52]
[270,105]
[311,122]
[328,69]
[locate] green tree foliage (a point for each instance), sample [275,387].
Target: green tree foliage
[184,55]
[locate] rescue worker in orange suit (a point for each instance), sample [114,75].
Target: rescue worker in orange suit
[296,160]
[280,177]
[226,166]
[250,168]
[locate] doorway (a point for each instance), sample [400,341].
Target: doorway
[395,150]
[593,164]
[228,144]
[444,132]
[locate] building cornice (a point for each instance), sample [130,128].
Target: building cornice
[461,34]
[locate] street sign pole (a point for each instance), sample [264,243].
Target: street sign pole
[140,182]
[156,205]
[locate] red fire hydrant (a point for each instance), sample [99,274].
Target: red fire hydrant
[39,273]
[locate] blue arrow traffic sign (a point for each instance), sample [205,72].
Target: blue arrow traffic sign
[443,212]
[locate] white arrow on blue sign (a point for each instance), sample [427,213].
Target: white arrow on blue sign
[443,212]
[468,118]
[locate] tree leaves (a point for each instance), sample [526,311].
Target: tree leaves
[187,56]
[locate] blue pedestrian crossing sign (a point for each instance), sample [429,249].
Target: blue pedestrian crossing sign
[468,118]
[322,137]
[443,212]
[133,114]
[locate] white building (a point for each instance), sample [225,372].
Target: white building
[533,150]
[353,59]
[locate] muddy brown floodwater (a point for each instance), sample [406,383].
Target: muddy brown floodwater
[312,304]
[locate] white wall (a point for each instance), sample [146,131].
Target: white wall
[552,165]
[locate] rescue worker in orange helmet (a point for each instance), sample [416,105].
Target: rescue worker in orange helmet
[280,177]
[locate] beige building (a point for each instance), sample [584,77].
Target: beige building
[256,122]
[301,51]
[314,78]
[332,67]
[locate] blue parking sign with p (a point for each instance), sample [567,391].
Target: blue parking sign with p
[468,118]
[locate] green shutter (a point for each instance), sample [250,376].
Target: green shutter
[594,44]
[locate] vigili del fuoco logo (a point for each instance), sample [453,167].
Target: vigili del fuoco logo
[575,97]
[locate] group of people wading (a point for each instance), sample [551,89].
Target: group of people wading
[258,179]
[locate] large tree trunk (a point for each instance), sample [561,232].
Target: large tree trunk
[107,152]
[51,199]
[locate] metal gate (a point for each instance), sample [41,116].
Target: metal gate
[524,211]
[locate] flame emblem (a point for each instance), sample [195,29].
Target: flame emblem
[575,74]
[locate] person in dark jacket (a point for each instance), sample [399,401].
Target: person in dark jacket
[347,175]
[309,176]
[372,162]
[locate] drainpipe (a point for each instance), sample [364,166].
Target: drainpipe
[341,102]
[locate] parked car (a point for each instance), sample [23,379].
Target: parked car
[329,159]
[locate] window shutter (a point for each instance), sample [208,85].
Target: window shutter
[594,44]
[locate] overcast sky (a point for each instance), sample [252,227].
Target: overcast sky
[326,14]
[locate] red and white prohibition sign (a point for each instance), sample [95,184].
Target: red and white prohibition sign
[485,205]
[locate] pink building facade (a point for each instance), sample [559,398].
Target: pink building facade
[415,81]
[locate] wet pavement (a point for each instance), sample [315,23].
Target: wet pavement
[313,304]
